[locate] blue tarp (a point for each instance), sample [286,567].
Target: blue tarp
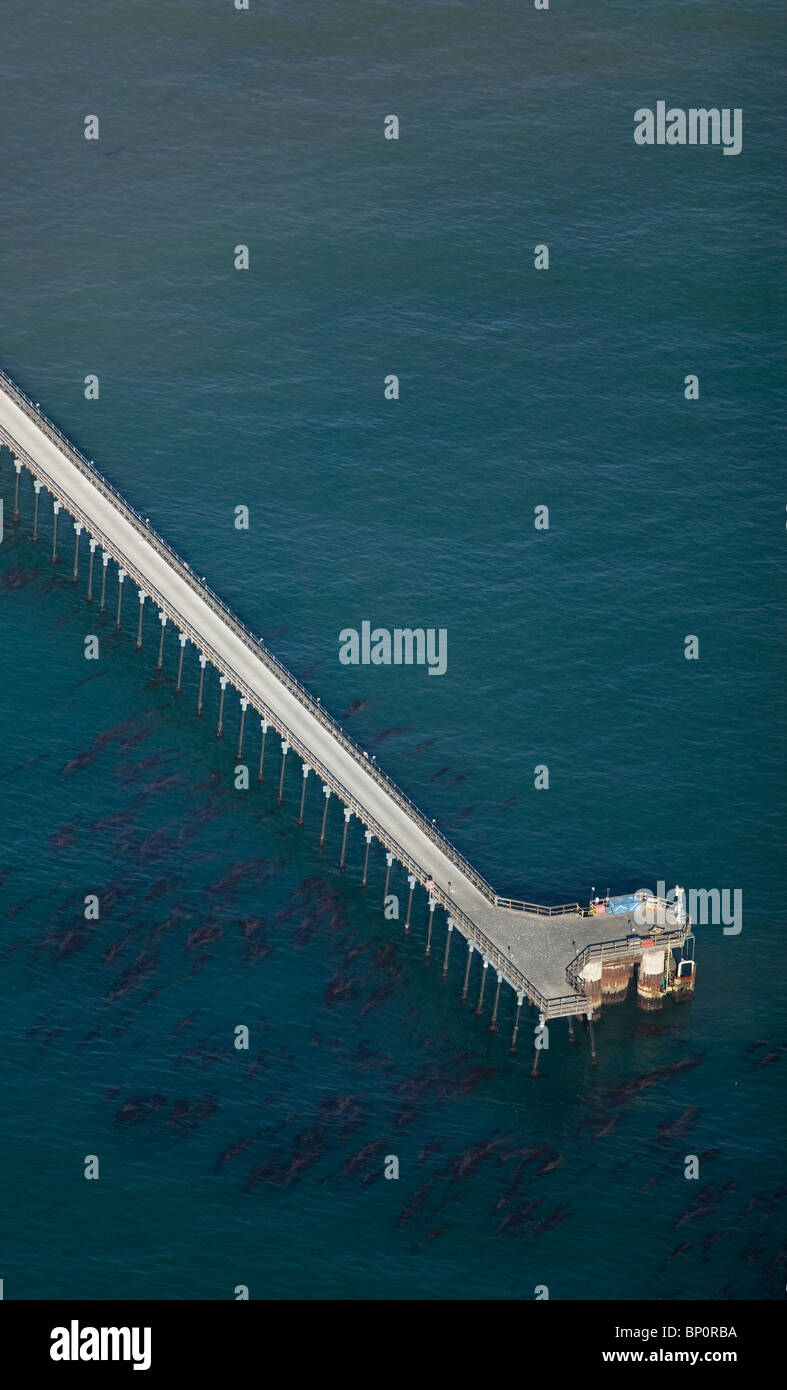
[629,903]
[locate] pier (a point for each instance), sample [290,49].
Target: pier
[562,960]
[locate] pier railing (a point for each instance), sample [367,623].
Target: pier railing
[516,905]
[621,948]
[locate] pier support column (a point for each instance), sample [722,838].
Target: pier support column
[493,1021]
[326,791]
[411,882]
[367,835]
[536,1048]
[432,906]
[93,548]
[104,562]
[37,491]
[306,771]
[480,1005]
[264,728]
[244,705]
[470,949]
[590,975]
[592,1039]
[203,661]
[223,682]
[615,978]
[77,533]
[520,999]
[285,748]
[649,978]
[142,598]
[388,863]
[162,617]
[182,641]
[18,467]
[347,815]
[447,947]
[56,510]
[121,577]
[571,1037]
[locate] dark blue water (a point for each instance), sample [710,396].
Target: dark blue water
[519,388]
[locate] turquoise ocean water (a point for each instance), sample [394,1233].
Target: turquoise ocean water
[518,389]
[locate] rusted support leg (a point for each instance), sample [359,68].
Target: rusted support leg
[432,905]
[162,617]
[121,578]
[592,1037]
[285,748]
[480,1004]
[540,1032]
[139,626]
[470,949]
[519,1002]
[306,771]
[77,533]
[447,946]
[244,705]
[93,548]
[326,791]
[264,728]
[203,661]
[367,835]
[182,641]
[347,814]
[105,563]
[411,882]
[493,1023]
[223,682]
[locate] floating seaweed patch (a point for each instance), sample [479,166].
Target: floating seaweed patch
[422,747]
[357,706]
[256,945]
[16,577]
[364,1158]
[64,838]
[517,1217]
[131,978]
[240,1146]
[620,1093]
[706,1203]
[468,1163]
[415,1203]
[671,1129]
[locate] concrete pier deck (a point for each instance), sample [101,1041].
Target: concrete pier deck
[531,947]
